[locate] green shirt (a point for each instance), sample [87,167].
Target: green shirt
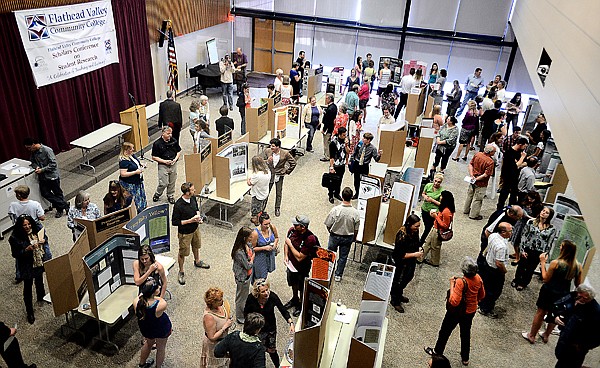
[433,193]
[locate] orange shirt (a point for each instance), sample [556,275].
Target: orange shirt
[443,219]
[475,292]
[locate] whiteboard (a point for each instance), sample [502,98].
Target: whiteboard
[213,53]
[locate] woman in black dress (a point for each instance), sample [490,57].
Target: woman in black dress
[27,247]
[406,252]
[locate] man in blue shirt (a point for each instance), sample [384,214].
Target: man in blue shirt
[472,85]
[295,80]
[352,100]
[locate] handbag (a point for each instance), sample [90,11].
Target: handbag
[461,308]
[446,234]
[328,180]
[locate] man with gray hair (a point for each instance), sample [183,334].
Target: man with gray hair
[481,169]
[166,152]
[493,269]
[579,323]
[328,124]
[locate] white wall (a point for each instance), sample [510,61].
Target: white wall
[571,97]
[190,49]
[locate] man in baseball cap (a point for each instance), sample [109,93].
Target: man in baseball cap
[299,246]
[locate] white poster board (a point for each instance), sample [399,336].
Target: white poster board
[369,187]
[238,161]
[67,41]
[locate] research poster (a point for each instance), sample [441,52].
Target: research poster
[152,225]
[238,161]
[574,229]
[67,41]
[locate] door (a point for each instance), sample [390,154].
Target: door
[273,45]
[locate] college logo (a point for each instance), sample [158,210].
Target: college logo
[36,25]
[107,47]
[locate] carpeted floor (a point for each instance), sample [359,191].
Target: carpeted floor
[494,343]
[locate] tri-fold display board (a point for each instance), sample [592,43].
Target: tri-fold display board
[231,165]
[199,166]
[110,266]
[106,226]
[287,122]
[153,227]
[392,144]
[257,121]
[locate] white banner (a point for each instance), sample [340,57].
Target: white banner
[66,41]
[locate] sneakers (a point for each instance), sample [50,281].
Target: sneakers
[148,363]
[323,159]
[404,299]
[337,196]
[296,312]
[399,308]
[181,278]
[277,212]
[171,200]
[155,198]
[331,200]
[490,314]
[58,214]
[337,278]
[202,264]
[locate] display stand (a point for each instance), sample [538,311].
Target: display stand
[392,144]
[219,144]
[393,221]
[272,105]
[257,122]
[368,343]
[395,66]
[139,132]
[424,153]
[152,225]
[109,279]
[429,106]
[106,226]
[314,82]
[415,105]
[575,229]
[559,183]
[199,167]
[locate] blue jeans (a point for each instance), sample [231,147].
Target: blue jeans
[343,242]
[468,97]
[227,89]
[311,133]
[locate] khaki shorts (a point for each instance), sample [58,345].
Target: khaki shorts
[186,239]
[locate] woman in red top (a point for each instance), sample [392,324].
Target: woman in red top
[341,120]
[475,292]
[442,221]
[364,93]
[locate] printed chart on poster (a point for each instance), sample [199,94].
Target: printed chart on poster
[395,66]
[575,229]
[293,121]
[316,300]
[152,225]
[238,161]
[417,64]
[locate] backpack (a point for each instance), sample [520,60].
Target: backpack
[461,308]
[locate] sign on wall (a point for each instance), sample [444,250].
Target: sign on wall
[67,41]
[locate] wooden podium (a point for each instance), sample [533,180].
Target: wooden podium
[139,133]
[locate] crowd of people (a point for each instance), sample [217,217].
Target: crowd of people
[522,223]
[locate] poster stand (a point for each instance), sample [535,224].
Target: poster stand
[368,342]
[395,66]
[313,82]
[392,144]
[199,167]
[231,165]
[257,122]
[559,182]
[152,225]
[423,153]
[574,228]
[415,105]
[106,226]
[272,105]
[66,277]
[309,338]
[219,144]
[394,221]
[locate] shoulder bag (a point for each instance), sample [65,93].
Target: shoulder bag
[447,234]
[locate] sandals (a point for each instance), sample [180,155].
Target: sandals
[519,288]
[525,335]
[429,350]
[455,159]
[544,337]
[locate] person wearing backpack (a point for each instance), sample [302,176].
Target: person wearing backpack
[298,251]
[464,295]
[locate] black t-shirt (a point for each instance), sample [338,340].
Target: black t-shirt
[182,210]
[224,124]
[487,120]
[510,170]
[329,118]
[165,150]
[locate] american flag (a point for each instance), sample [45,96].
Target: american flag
[172,81]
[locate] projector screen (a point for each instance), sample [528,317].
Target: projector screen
[213,53]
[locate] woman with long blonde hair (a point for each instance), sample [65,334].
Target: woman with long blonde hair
[557,284]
